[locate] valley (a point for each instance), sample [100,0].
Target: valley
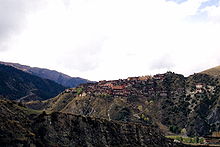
[137,111]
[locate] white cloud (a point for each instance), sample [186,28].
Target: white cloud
[101,39]
[213,13]
[13,18]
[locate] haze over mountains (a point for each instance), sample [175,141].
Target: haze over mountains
[60,78]
[25,83]
[18,85]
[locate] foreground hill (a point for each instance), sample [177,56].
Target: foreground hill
[25,127]
[179,105]
[53,75]
[18,85]
[215,71]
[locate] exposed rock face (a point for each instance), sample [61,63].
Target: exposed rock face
[18,85]
[73,130]
[53,75]
[170,100]
[15,122]
[24,127]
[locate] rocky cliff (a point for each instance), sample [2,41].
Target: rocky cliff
[178,104]
[25,127]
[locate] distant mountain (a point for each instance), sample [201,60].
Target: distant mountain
[21,126]
[18,85]
[177,104]
[215,71]
[53,75]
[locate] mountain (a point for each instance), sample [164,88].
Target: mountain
[53,75]
[136,111]
[215,71]
[21,126]
[18,85]
[177,104]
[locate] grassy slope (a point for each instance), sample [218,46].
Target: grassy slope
[215,71]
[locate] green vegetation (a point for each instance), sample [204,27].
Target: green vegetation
[175,129]
[132,98]
[190,140]
[29,111]
[145,118]
[121,114]
[79,90]
[20,108]
[104,95]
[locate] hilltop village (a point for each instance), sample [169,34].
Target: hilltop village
[127,87]
[123,87]
[177,104]
[138,86]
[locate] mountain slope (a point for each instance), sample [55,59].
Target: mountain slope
[24,127]
[215,71]
[18,85]
[53,75]
[177,104]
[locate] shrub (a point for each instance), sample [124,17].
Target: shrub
[175,129]
[79,90]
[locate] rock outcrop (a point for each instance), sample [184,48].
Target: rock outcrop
[25,127]
[176,103]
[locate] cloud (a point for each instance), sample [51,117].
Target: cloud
[164,62]
[101,39]
[178,1]
[11,12]
[209,3]
[13,19]
[213,13]
[85,58]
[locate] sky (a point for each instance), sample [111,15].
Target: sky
[111,39]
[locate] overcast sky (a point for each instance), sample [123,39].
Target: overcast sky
[111,39]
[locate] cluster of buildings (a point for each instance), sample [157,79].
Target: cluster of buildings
[144,85]
[148,86]
[200,88]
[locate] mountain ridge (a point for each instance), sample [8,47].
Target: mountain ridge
[124,112]
[215,71]
[18,85]
[53,75]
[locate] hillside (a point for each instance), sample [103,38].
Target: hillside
[53,75]
[215,71]
[18,85]
[178,105]
[25,127]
